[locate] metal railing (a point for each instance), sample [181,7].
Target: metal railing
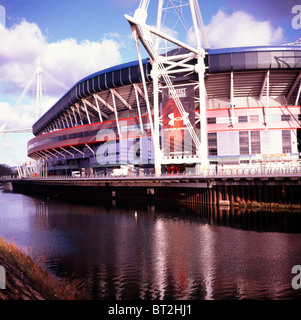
[272,170]
[256,170]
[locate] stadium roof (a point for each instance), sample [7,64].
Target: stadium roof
[117,76]
[219,61]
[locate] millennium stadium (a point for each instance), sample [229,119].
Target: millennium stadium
[190,110]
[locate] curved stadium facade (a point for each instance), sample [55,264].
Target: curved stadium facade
[103,122]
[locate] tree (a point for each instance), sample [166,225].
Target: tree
[5,170]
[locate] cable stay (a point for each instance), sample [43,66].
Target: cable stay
[3,132]
[60,83]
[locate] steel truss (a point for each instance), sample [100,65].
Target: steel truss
[163,69]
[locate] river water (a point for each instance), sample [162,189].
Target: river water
[143,251]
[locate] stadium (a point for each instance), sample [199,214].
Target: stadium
[242,110]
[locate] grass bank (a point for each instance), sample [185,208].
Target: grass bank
[268,206]
[26,279]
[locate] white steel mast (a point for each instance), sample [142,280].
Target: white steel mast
[165,66]
[38,74]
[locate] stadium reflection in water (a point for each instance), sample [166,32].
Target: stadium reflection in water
[161,252]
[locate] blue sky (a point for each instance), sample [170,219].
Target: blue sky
[75,38]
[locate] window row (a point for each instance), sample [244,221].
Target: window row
[91,133]
[252,118]
[249,142]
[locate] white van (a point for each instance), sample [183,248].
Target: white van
[119,172]
[75,174]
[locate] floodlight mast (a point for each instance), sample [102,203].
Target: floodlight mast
[39,96]
[38,73]
[163,66]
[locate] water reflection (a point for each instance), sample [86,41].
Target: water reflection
[256,219]
[240,218]
[162,252]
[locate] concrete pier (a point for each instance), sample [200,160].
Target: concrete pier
[223,191]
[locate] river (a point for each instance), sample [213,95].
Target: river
[154,251]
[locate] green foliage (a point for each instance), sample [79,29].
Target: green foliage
[5,170]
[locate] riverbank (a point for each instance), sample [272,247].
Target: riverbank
[26,279]
[254,205]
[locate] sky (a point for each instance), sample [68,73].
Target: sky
[75,38]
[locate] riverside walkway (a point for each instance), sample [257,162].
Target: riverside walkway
[227,186]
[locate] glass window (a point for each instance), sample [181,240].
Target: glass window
[72,136]
[286,141]
[212,144]
[285,117]
[255,142]
[211,120]
[244,142]
[243,119]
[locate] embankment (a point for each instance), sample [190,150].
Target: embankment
[26,279]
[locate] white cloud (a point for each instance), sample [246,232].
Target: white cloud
[22,117]
[13,149]
[67,60]
[21,43]
[19,48]
[13,145]
[239,29]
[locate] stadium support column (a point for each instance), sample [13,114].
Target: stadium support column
[267,100]
[203,115]
[155,76]
[156,136]
[200,69]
